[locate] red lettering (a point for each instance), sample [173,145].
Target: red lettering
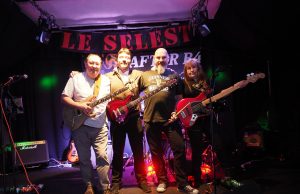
[110,43]
[66,41]
[185,33]
[139,42]
[84,42]
[171,36]
[125,41]
[155,38]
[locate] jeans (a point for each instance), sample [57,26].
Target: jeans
[85,137]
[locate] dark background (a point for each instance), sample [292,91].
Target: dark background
[242,39]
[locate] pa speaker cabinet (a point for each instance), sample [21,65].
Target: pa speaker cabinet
[31,152]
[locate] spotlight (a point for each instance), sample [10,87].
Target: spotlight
[204,30]
[200,18]
[45,25]
[44,37]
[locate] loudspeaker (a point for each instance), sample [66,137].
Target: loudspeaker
[31,152]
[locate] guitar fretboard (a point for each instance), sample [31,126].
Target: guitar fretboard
[96,102]
[149,94]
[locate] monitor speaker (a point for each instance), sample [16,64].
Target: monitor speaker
[31,153]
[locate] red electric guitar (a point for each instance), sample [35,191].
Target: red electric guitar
[117,110]
[72,155]
[187,108]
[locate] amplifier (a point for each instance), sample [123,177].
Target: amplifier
[31,152]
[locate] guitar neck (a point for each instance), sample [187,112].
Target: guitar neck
[96,102]
[149,94]
[220,95]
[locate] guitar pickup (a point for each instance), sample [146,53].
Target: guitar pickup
[183,115]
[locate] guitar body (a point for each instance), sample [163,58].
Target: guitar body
[72,155]
[187,113]
[73,117]
[188,110]
[116,110]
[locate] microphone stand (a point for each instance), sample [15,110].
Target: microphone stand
[212,85]
[3,166]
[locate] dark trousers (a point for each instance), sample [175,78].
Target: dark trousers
[133,127]
[175,138]
[199,141]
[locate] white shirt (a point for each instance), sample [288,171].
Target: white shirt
[80,86]
[124,76]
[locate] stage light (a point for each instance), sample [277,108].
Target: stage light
[204,30]
[200,18]
[150,170]
[44,37]
[48,82]
[45,25]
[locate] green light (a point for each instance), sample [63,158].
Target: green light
[220,77]
[29,143]
[48,82]
[263,123]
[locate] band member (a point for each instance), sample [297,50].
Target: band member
[194,83]
[158,109]
[120,77]
[94,132]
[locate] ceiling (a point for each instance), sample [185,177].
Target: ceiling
[237,26]
[79,14]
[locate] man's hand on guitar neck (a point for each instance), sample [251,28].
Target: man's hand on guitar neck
[131,85]
[173,117]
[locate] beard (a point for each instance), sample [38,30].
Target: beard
[160,69]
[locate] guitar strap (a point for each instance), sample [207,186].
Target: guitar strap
[97,85]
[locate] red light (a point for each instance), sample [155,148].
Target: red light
[206,169]
[150,168]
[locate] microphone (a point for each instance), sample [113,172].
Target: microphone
[18,77]
[14,78]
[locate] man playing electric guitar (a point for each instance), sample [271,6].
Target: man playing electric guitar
[121,75]
[94,131]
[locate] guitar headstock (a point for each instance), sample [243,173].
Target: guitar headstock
[251,78]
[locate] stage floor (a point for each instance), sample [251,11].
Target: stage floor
[266,177]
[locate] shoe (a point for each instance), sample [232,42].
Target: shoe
[162,187]
[115,189]
[188,189]
[89,190]
[107,191]
[145,187]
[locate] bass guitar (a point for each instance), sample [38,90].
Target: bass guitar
[74,118]
[188,109]
[118,110]
[72,155]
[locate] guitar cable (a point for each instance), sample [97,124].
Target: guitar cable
[16,150]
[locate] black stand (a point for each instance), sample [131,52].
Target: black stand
[212,85]
[3,172]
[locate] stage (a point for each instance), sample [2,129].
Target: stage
[268,176]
